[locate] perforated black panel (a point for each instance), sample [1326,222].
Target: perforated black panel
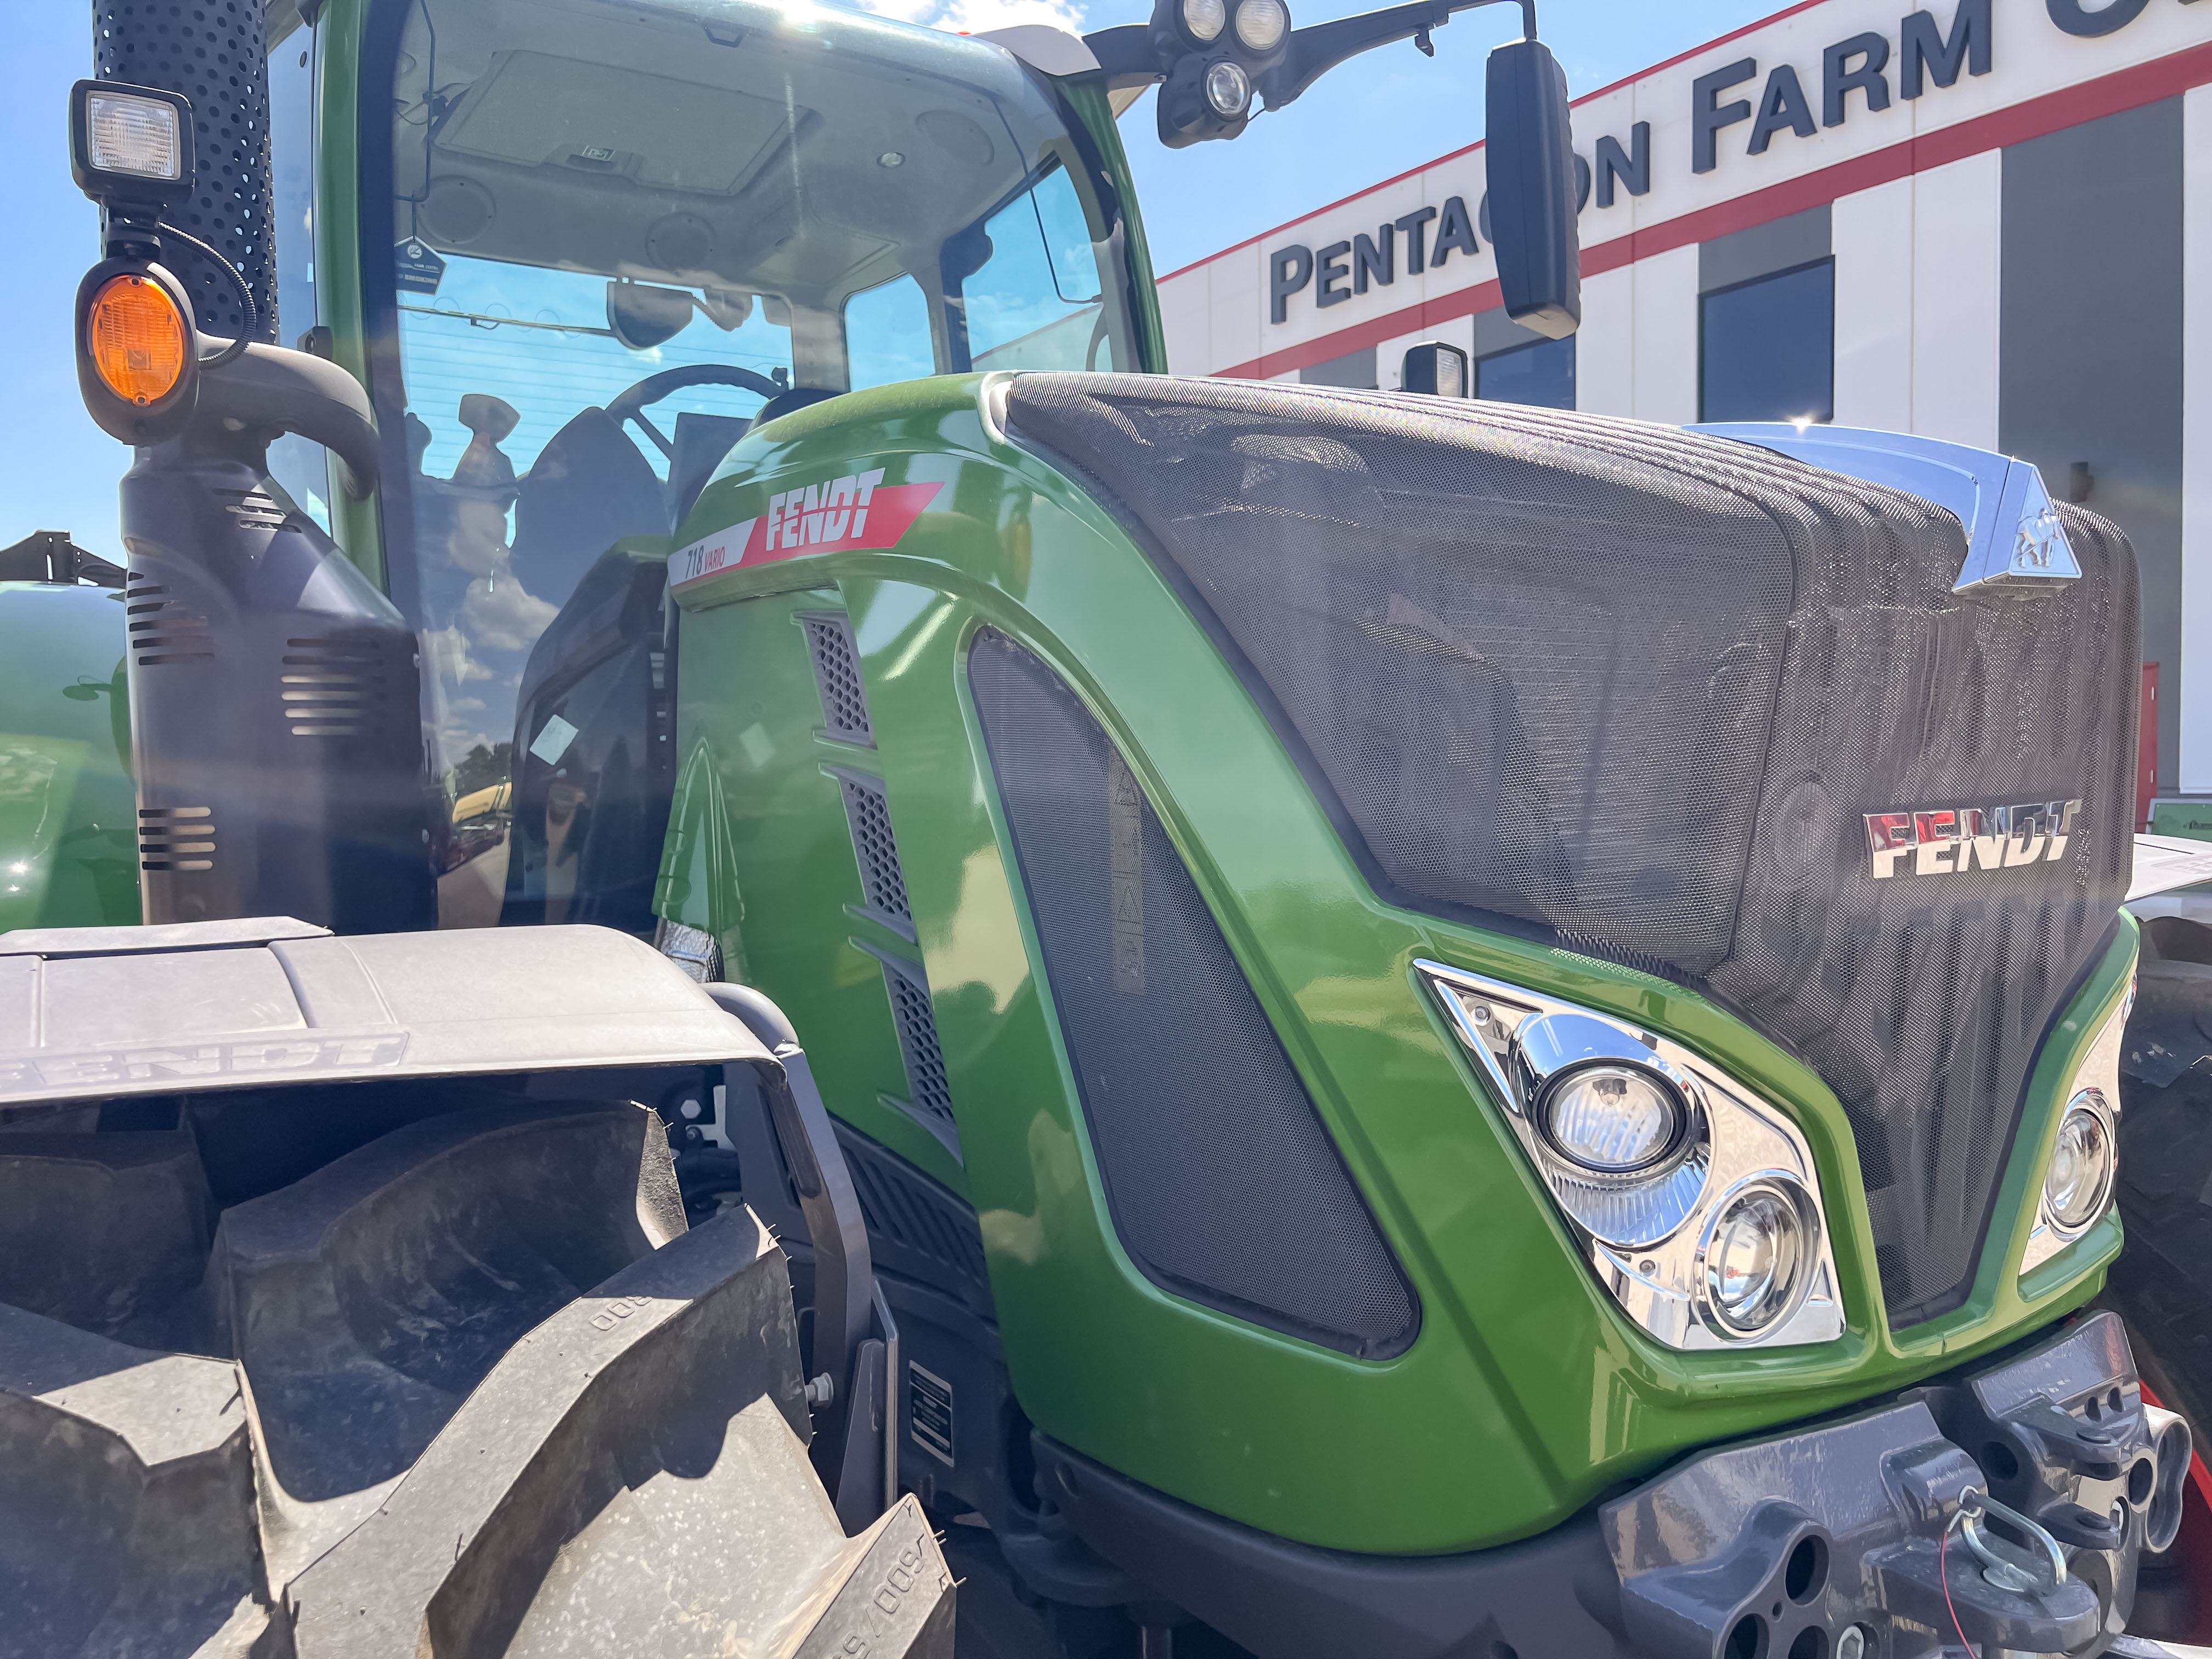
[915,1226]
[868,815]
[1633,691]
[928,1091]
[1223,1183]
[212,51]
[837,677]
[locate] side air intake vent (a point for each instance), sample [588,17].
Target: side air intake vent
[163,629]
[1223,1184]
[868,816]
[176,838]
[837,677]
[915,1226]
[929,1094]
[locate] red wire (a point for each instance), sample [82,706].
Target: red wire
[1942,1572]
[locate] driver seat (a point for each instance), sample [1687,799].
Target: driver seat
[589,487]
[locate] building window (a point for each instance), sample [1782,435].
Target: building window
[1767,347]
[1541,373]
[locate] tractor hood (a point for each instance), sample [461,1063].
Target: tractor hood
[1673,700]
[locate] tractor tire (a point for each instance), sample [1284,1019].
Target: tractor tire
[469,1389]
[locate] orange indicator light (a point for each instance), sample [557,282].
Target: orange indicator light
[138,338]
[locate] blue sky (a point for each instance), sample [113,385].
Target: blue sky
[1375,116]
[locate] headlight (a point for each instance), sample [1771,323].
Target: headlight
[1754,1259]
[1261,24]
[2078,1181]
[1694,1201]
[1228,88]
[1202,19]
[1611,1120]
[2080,1177]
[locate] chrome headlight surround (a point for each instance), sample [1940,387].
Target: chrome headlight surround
[2094,1089]
[1645,1231]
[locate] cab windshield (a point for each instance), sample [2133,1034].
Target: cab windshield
[622,230]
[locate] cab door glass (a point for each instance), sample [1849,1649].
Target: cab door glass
[887,334]
[1036,302]
[299,465]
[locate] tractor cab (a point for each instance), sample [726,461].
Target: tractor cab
[624,235]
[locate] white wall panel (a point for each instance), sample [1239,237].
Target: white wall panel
[1185,318]
[2195,690]
[1664,352]
[1955,254]
[1605,366]
[1871,231]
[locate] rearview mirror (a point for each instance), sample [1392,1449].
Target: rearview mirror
[642,317]
[1530,150]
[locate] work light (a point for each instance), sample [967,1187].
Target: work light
[131,147]
[1202,19]
[1261,24]
[1228,88]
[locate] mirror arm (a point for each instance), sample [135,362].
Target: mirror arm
[1316,50]
[1128,55]
[1134,55]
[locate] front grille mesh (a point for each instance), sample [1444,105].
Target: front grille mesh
[1631,690]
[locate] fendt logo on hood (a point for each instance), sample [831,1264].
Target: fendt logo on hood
[856,511]
[1951,840]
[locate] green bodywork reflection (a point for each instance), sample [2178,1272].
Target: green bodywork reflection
[68,855]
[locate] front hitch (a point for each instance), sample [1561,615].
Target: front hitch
[2006,1508]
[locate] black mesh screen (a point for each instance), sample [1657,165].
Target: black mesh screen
[1633,689]
[837,677]
[211,51]
[1223,1183]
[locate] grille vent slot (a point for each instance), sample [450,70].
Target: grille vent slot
[328,687]
[163,630]
[254,508]
[868,816]
[929,1091]
[837,677]
[176,838]
[915,1225]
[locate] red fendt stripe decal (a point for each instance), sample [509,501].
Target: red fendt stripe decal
[845,514]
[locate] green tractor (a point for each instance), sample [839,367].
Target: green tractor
[1429,1027]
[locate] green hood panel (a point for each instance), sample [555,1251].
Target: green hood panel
[1526,1392]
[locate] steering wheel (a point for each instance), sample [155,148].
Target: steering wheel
[630,405]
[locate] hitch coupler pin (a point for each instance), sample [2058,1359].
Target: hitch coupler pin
[2004,1563]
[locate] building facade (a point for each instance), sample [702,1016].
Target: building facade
[1984,220]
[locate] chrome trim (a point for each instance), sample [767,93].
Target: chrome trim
[2097,1080]
[1655,1283]
[2014,543]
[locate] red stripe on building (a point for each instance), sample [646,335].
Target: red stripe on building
[2069,107]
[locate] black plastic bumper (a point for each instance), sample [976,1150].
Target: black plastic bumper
[1736,1553]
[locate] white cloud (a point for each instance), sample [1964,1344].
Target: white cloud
[977,16]
[506,617]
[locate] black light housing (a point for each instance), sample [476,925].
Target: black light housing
[130,148]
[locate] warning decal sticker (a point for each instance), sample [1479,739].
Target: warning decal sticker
[929,1412]
[854,512]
